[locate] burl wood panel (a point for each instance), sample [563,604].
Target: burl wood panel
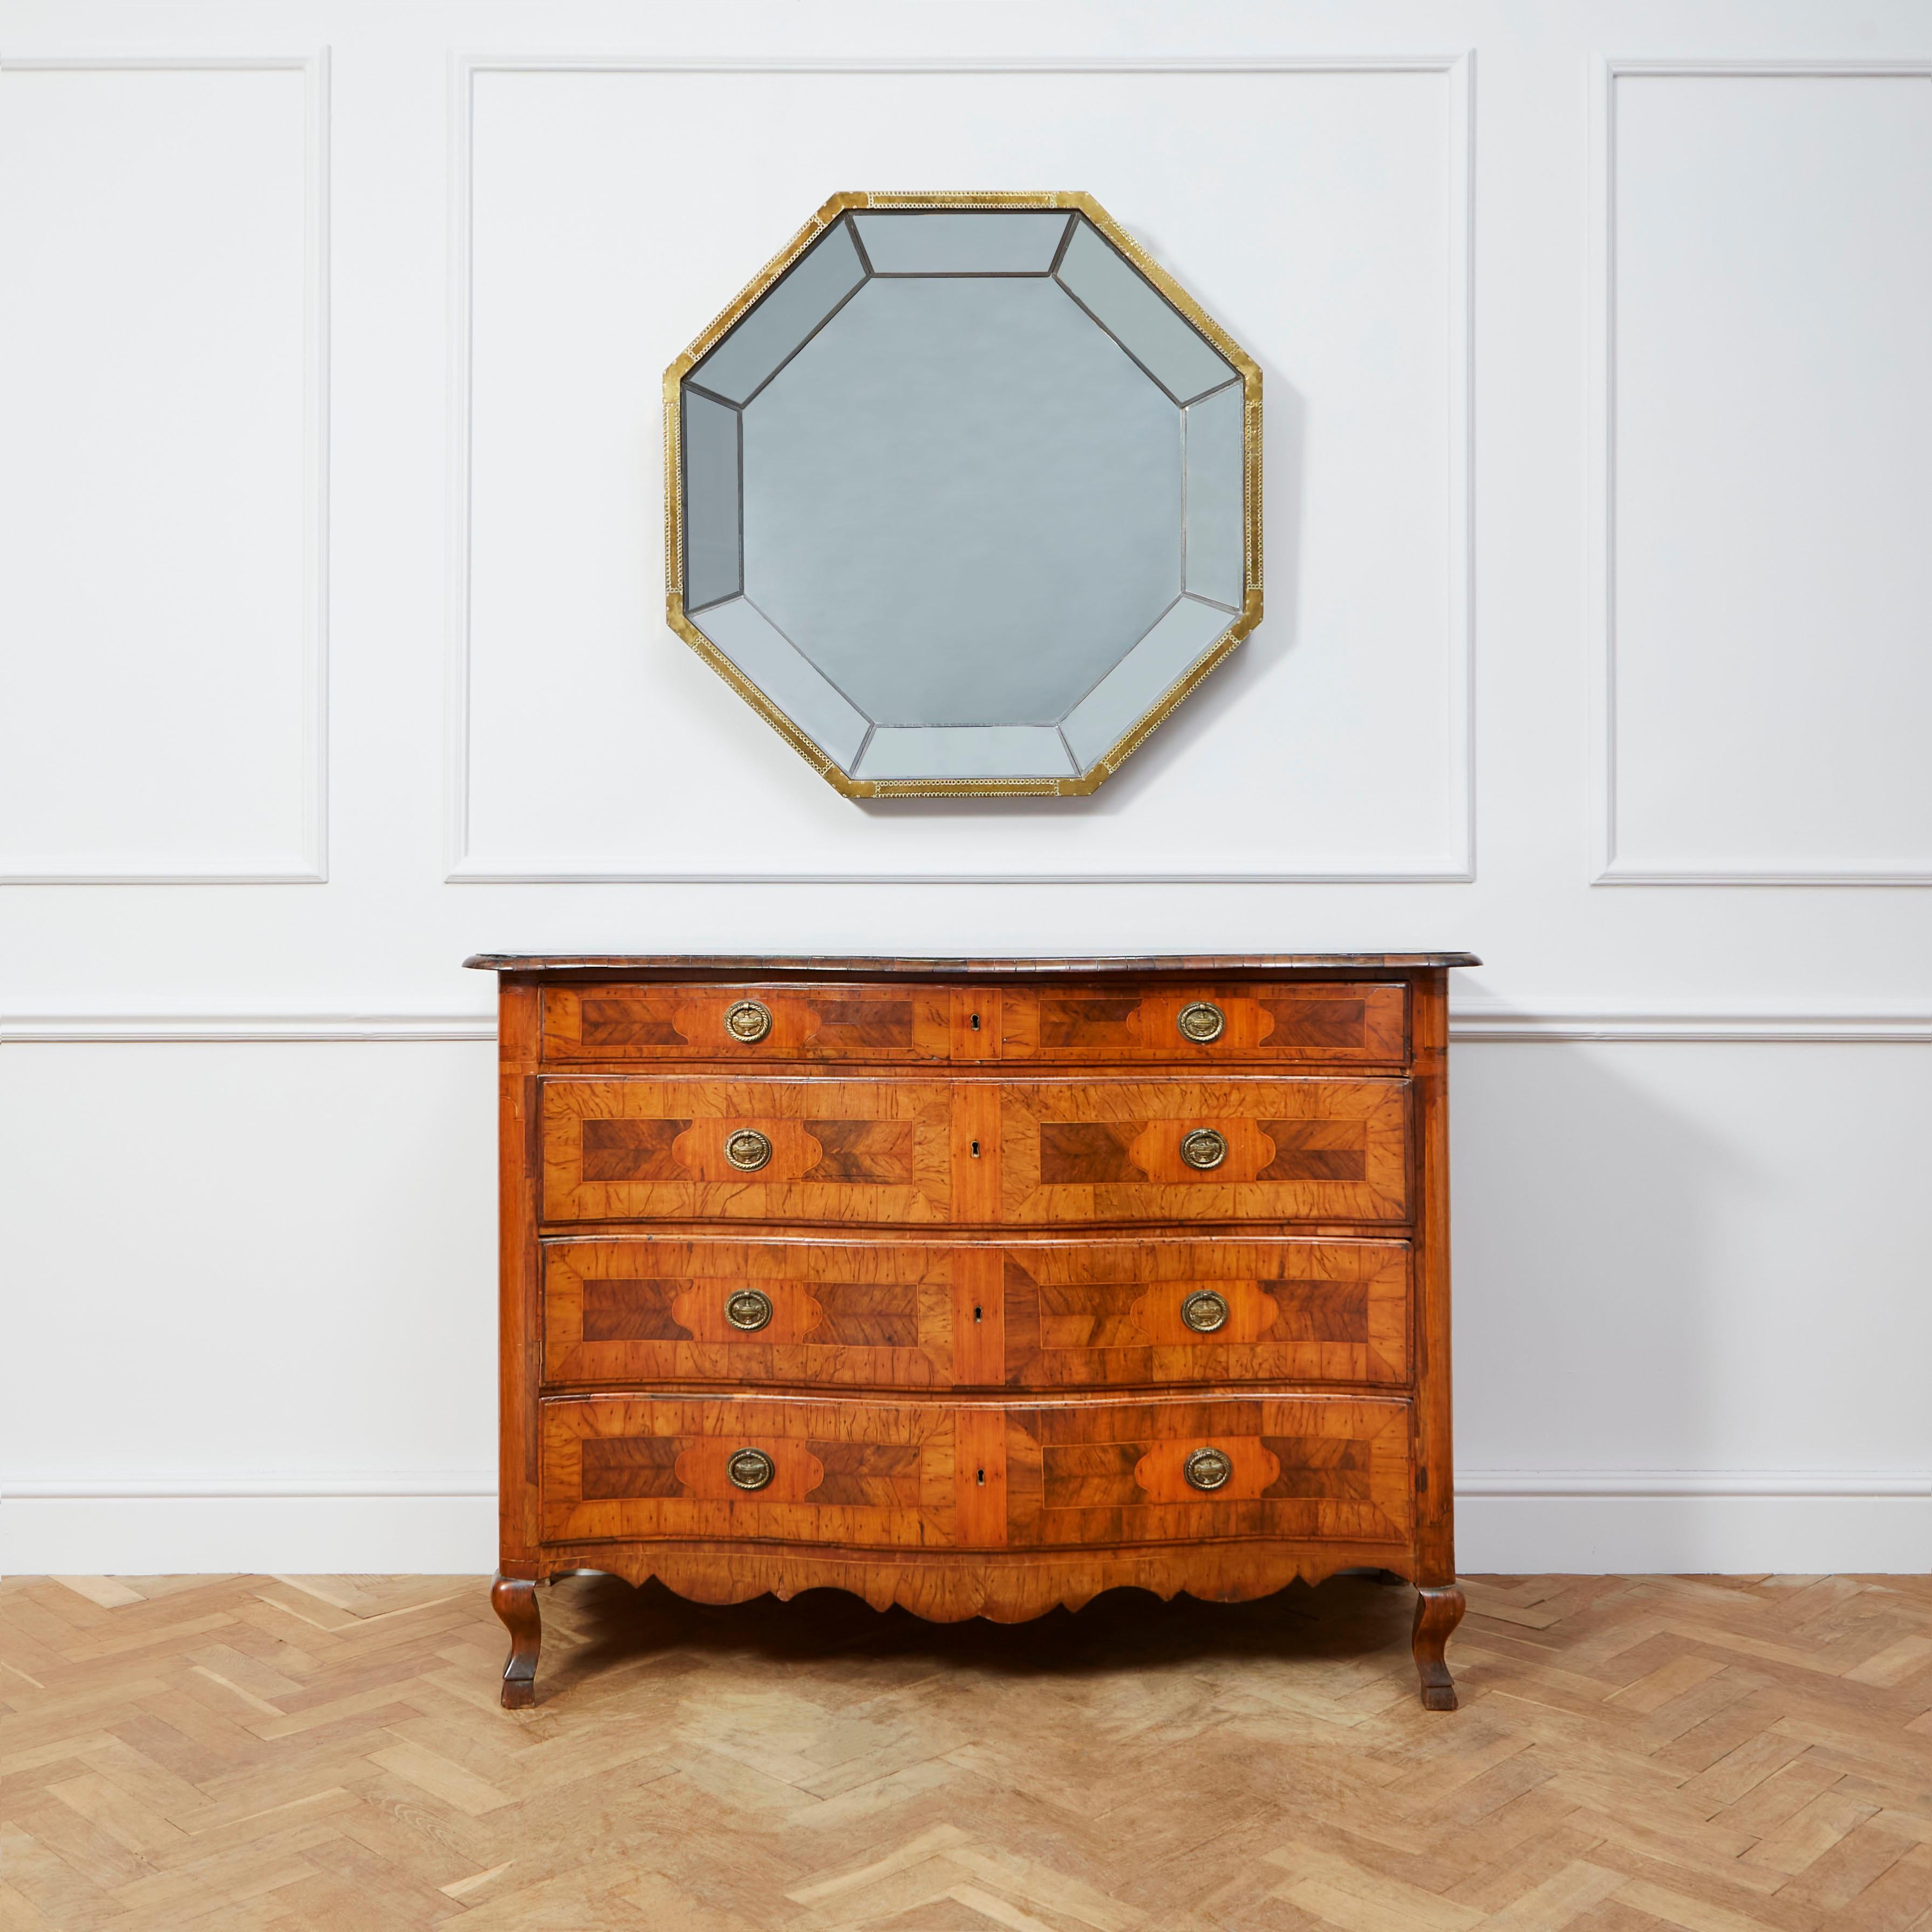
[649,1149]
[883,1314]
[812,1023]
[1332,1150]
[1339,1023]
[1305,1467]
[846,1471]
[1086,1313]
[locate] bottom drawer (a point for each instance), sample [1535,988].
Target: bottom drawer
[934,1475]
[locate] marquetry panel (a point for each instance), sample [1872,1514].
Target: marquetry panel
[1097,1151]
[1360,1021]
[1084,1314]
[843,1472]
[1315,1467]
[655,1150]
[653,1308]
[672,1022]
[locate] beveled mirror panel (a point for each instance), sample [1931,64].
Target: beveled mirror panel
[964,494]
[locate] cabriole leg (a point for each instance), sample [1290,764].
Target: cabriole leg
[1438,1610]
[514,1599]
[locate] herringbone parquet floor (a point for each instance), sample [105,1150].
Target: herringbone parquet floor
[1712,1754]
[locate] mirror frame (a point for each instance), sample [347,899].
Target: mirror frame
[1167,702]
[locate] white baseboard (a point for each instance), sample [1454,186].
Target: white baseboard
[1580,1523]
[1599,1523]
[193,1534]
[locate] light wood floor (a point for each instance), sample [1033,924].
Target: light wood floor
[1713,1754]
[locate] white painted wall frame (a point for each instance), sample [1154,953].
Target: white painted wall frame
[1613,865]
[1455,863]
[307,863]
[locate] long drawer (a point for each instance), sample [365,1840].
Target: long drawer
[926,1315]
[1208,1023]
[914,1150]
[934,1474]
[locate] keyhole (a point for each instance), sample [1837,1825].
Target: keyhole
[976,1022]
[975,1315]
[976,1150]
[982,1479]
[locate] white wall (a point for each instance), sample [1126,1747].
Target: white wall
[1599,642]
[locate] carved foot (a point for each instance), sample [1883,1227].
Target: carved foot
[1438,1610]
[514,1599]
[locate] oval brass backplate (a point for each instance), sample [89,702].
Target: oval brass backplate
[748,1148]
[1206,1469]
[748,1020]
[752,1469]
[748,1308]
[1203,1148]
[1205,1312]
[1201,1022]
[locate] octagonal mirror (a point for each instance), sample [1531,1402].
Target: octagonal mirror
[964,494]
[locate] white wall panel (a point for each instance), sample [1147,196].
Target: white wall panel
[1769,594]
[1333,743]
[246,1135]
[241,1269]
[161,339]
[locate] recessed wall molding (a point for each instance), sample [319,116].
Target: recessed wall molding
[129,1489]
[1471,1024]
[309,864]
[1455,864]
[1609,868]
[1639,1483]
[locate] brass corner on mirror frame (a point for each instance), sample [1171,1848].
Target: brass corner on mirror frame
[1244,613]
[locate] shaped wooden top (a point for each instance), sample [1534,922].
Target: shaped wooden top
[628,965]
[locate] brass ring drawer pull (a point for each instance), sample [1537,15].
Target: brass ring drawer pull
[1201,1022]
[751,1469]
[748,1148]
[1205,1312]
[748,1020]
[1206,1468]
[748,1308]
[1203,1147]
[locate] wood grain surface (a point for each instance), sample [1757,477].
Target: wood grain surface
[1633,1754]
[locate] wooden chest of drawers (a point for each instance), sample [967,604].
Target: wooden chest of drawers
[975,1286]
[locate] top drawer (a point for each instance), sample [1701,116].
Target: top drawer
[1261,1023]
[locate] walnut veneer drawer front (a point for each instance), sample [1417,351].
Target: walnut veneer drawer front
[750,1022]
[904,1315]
[1333,1150]
[768,1150]
[936,1475]
[1241,1022]
[792,1469]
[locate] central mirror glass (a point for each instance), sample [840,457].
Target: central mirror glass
[964,495]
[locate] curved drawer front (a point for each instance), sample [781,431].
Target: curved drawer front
[660,1308]
[1258,1308]
[753,1023]
[1241,1020]
[1317,1468]
[772,1149]
[1333,1150]
[839,1470]
[913,1314]
[936,1475]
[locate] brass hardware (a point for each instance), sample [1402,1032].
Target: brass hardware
[1202,1021]
[748,1148]
[1205,1312]
[748,1308]
[748,1020]
[1203,1147]
[752,1468]
[1206,1469]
